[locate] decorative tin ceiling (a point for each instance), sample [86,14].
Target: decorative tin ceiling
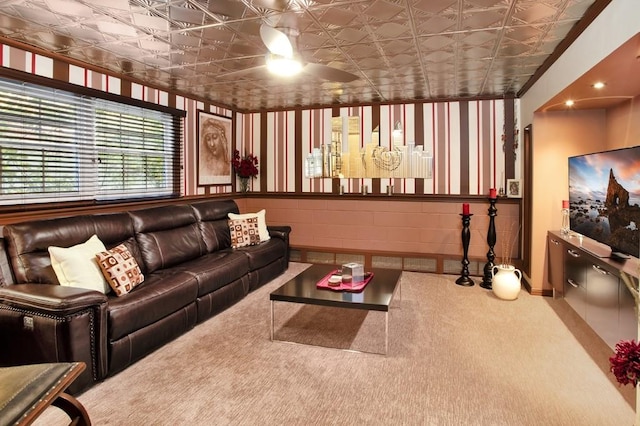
[401,50]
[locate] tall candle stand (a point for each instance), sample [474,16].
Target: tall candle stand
[464,279]
[491,241]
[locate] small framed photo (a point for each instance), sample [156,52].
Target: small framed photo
[514,188]
[214,149]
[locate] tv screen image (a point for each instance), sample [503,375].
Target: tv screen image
[604,198]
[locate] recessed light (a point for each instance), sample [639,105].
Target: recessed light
[598,85]
[569,103]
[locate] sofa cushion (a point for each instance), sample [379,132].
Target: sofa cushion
[264,253]
[213,221]
[161,294]
[165,249]
[215,270]
[28,242]
[120,269]
[244,232]
[76,266]
[167,236]
[131,244]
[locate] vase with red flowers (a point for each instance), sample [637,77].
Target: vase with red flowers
[245,168]
[625,363]
[625,366]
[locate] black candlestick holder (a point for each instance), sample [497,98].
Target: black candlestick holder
[491,241]
[464,279]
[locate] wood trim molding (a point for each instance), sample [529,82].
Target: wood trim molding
[18,213]
[370,254]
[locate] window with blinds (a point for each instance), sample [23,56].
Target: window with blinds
[58,146]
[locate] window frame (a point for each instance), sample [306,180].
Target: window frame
[173,136]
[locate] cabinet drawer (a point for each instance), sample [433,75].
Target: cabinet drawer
[556,265]
[628,319]
[575,266]
[575,285]
[602,303]
[575,295]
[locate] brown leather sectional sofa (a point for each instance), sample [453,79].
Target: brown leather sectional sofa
[191,274]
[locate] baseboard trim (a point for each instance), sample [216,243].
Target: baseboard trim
[406,261]
[535,291]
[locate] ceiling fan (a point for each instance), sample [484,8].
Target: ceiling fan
[284,60]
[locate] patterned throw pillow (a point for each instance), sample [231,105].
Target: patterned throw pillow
[120,269]
[262,223]
[244,232]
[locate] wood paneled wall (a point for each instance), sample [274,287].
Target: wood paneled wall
[382,224]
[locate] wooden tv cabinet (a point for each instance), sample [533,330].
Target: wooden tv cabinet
[583,273]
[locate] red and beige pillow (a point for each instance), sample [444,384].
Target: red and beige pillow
[120,269]
[262,223]
[244,232]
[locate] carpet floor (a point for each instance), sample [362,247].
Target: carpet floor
[457,356]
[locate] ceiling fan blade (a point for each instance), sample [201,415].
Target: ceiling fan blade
[230,8]
[288,20]
[329,73]
[243,72]
[276,41]
[277,5]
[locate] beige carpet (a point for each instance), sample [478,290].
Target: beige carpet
[457,356]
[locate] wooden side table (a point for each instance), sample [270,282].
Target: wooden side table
[27,390]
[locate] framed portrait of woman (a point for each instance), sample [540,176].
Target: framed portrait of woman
[214,149]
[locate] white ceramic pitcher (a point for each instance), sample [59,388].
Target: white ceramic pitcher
[506,282]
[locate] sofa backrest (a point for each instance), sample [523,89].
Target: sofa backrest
[27,243]
[167,235]
[214,222]
[157,237]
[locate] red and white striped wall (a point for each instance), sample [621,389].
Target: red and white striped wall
[465,137]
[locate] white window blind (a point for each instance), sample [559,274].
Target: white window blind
[58,146]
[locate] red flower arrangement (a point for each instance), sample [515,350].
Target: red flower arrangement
[245,167]
[625,363]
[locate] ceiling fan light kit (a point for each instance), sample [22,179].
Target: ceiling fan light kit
[284,60]
[277,41]
[283,66]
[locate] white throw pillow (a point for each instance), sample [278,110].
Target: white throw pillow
[76,266]
[262,222]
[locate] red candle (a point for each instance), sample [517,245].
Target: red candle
[492,193]
[465,208]
[565,204]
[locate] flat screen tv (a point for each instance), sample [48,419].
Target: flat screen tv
[604,199]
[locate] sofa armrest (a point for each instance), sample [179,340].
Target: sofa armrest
[50,299]
[42,323]
[281,232]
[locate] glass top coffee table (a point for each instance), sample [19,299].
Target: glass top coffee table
[376,296]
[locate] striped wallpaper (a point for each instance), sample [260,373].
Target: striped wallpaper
[465,137]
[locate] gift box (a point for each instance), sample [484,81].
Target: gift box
[356,270]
